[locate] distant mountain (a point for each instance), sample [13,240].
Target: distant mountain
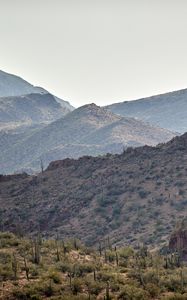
[166,110]
[12,85]
[88,130]
[29,110]
[135,197]
[20,101]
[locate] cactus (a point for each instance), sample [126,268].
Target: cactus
[14,266]
[94,275]
[70,279]
[107,292]
[75,244]
[117,258]
[108,242]
[182,280]
[105,257]
[57,250]
[100,249]
[36,252]
[26,269]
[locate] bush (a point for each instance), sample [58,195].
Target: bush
[8,240]
[173,283]
[175,297]
[76,286]
[95,287]
[55,276]
[6,272]
[152,289]
[132,292]
[23,294]
[143,194]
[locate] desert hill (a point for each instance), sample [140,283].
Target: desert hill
[133,197]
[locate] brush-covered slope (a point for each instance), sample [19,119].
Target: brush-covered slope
[88,130]
[133,197]
[166,110]
[59,269]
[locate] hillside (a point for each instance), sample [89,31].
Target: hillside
[132,197]
[166,110]
[88,130]
[67,270]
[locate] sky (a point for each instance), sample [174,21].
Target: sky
[101,51]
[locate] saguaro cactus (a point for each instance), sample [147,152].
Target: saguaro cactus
[14,266]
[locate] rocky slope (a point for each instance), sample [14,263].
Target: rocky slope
[166,110]
[133,197]
[88,130]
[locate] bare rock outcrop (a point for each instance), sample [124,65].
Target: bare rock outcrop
[178,239]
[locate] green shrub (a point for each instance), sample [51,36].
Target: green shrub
[55,277]
[133,293]
[76,286]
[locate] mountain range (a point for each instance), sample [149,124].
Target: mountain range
[88,130]
[37,126]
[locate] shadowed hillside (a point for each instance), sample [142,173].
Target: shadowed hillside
[133,197]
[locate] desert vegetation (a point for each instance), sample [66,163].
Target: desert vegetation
[37,268]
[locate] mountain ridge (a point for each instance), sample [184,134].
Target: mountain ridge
[88,130]
[167,110]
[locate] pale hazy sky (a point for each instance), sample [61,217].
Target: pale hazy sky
[100,51]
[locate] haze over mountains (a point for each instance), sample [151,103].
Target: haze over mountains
[88,130]
[22,104]
[36,125]
[166,110]
[12,85]
[29,110]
